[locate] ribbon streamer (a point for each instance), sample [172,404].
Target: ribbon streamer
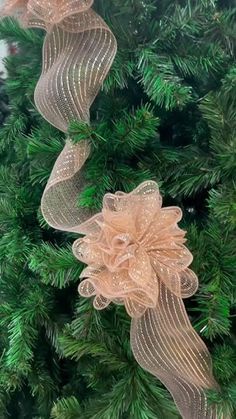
[78,51]
[134,248]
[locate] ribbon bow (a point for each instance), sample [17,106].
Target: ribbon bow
[136,257]
[132,246]
[44,13]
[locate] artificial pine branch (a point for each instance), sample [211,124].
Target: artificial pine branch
[59,356]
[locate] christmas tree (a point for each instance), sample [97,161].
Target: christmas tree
[166,112]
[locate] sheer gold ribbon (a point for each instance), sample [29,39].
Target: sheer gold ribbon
[134,248]
[77,54]
[136,256]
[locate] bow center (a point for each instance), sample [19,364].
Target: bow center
[119,252]
[122,241]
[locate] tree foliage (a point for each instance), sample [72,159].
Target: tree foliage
[166,112]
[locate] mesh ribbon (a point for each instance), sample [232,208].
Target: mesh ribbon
[136,257]
[134,248]
[77,54]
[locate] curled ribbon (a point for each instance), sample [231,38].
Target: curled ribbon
[134,249]
[78,51]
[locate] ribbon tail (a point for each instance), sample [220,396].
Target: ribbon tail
[165,344]
[59,203]
[77,56]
